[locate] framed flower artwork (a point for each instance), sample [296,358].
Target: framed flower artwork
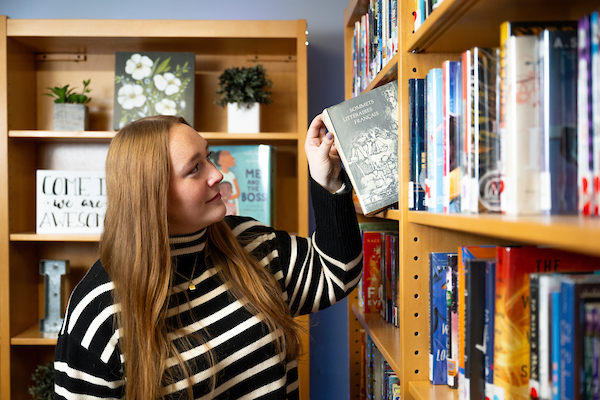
[153,83]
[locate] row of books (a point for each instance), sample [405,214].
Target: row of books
[375,42]
[493,322]
[377,290]
[378,381]
[423,8]
[514,129]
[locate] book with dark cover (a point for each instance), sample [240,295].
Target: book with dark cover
[585,135]
[418,155]
[557,77]
[474,323]
[248,185]
[366,136]
[153,83]
[438,327]
[488,331]
[486,146]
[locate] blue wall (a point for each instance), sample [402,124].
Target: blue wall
[325,19]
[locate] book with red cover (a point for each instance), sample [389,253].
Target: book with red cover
[512,321]
[372,248]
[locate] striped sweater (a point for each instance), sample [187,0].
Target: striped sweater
[313,273]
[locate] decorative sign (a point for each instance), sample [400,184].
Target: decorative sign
[70,201]
[52,271]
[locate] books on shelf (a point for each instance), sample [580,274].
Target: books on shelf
[417,162]
[366,136]
[153,83]
[438,325]
[70,202]
[248,185]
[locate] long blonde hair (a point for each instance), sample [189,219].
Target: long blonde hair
[136,253]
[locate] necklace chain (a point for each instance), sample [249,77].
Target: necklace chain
[191,286]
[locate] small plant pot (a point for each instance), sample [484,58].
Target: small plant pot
[70,117]
[243,119]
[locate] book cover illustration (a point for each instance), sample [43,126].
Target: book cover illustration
[557,77]
[366,135]
[371,279]
[247,187]
[512,321]
[153,83]
[438,326]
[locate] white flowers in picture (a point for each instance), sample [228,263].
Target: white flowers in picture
[153,83]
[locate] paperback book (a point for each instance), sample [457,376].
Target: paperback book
[366,135]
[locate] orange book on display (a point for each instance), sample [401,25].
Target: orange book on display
[511,338]
[466,252]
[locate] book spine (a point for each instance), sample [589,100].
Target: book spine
[371,271]
[452,319]
[547,285]
[555,340]
[595,59]
[420,152]
[412,146]
[520,194]
[437,322]
[567,341]
[534,336]
[486,186]
[584,131]
[488,338]
[474,322]
[465,142]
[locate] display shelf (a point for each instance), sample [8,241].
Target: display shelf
[457,25]
[575,233]
[385,336]
[33,337]
[39,53]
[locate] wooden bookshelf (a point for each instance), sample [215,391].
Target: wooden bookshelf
[39,53]
[455,26]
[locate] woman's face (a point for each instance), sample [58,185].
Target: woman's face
[194,201]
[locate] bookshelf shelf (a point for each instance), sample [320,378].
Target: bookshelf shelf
[384,335]
[452,26]
[33,337]
[574,233]
[34,237]
[426,391]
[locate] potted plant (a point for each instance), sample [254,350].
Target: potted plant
[242,90]
[70,109]
[43,378]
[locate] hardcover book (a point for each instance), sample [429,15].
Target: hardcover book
[438,326]
[418,156]
[248,185]
[452,319]
[153,83]
[435,145]
[557,76]
[366,136]
[452,98]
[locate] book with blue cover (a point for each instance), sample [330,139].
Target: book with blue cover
[435,144]
[438,326]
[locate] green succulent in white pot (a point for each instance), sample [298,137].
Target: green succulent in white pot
[242,90]
[70,107]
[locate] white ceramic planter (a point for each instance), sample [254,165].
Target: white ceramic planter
[70,117]
[243,119]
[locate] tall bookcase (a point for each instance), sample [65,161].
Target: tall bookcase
[36,54]
[455,26]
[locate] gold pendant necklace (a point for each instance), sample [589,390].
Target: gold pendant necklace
[191,286]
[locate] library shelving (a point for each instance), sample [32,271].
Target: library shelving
[455,26]
[36,54]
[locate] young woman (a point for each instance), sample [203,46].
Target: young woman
[186,303]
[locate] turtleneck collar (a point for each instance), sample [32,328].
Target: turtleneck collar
[188,244]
